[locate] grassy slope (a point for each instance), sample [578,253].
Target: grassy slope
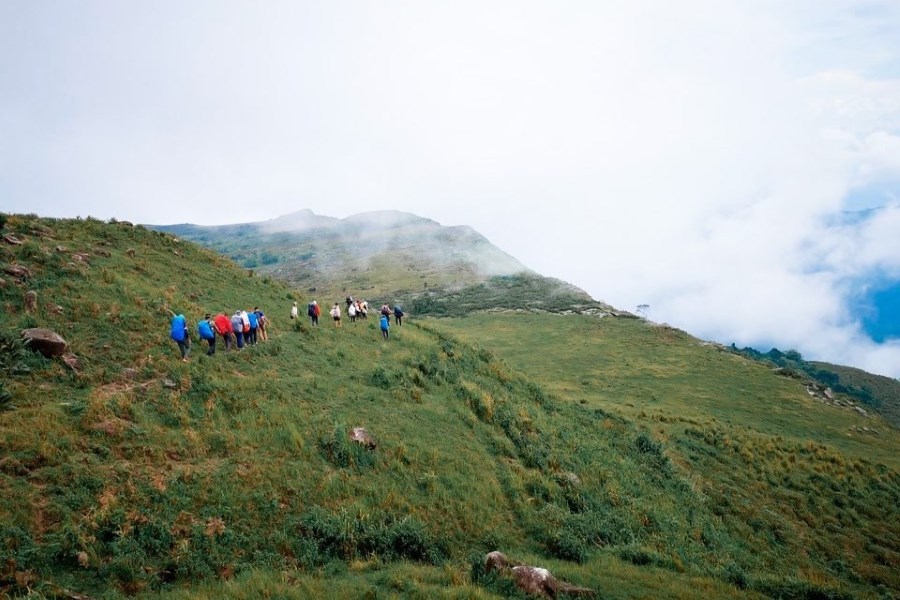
[778,464]
[115,483]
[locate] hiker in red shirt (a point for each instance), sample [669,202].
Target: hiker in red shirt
[223,328]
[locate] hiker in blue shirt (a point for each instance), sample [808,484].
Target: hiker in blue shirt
[179,333]
[206,331]
[254,325]
[385,327]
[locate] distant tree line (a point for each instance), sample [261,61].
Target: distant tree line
[793,365]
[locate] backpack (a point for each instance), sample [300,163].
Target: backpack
[311,309]
[205,331]
[179,325]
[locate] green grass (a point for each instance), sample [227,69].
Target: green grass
[240,480]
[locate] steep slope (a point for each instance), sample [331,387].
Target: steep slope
[234,475]
[372,253]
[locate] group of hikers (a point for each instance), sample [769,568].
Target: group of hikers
[243,328]
[248,327]
[356,309]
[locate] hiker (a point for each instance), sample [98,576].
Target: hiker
[294,311]
[318,311]
[223,328]
[351,312]
[253,320]
[398,315]
[362,309]
[263,327]
[336,314]
[385,310]
[179,333]
[349,301]
[312,311]
[206,331]
[245,319]
[385,327]
[237,327]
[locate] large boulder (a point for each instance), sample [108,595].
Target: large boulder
[46,341]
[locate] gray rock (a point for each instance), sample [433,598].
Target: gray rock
[536,581]
[11,239]
[30,301]
[72,361]
[46,341]
[17,271]
[861,411]
[363,437]
[169,383]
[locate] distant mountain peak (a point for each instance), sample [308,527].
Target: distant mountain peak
[302,220]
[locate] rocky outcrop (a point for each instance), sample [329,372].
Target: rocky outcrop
[46,341]
[535,581]
[11,239]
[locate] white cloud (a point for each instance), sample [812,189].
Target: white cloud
[691,156]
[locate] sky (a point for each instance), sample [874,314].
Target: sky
[734,165]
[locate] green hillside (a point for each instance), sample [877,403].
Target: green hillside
[625,458]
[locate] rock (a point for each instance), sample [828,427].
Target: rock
[828,393]
[568,479]
[363,437]
[46,341]
[72,362]
[11,239]
[30,301]
[536,581]
[17,271]
[81,257]
[130,252]
[41,231]
[497,561]
[169,383]
[130,373]
[61,249]
[102,252]
[58,309]
[861,411]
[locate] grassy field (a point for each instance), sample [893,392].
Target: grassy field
[234,475]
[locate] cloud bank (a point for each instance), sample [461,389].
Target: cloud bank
[696,157]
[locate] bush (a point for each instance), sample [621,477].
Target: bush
[346,536]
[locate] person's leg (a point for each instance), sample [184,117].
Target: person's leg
[212,346]
[239,336]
